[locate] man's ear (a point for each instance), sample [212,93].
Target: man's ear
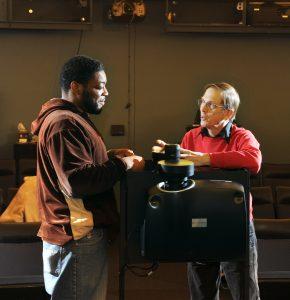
[76,88]
[230,114]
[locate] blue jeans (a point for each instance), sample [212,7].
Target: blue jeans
[204,279]
[78,270]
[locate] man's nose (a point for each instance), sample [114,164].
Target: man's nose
[105,92]
[203,107]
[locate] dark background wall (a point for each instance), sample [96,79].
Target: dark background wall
[167,74]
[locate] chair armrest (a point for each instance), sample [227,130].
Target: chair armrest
[19,232]
[272,228]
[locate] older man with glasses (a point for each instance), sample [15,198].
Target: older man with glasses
[219,143]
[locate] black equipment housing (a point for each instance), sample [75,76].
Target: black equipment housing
[206,222]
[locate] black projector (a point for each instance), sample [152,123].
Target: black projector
[187,220]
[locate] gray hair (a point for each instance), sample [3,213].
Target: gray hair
[230,96]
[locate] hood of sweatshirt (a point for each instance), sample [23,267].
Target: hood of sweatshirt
[47,108]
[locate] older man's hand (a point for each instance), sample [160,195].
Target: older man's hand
[198,158]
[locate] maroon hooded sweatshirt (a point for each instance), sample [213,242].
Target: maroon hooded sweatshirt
[75,177]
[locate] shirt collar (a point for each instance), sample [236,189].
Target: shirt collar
[225,132]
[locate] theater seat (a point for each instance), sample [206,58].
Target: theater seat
[276,174]
[11,192]
[263,202]
[7,175]
[1,201]
[256,179]
[273,233]
[23,207]
[27,167]
[21,250]
[283,202]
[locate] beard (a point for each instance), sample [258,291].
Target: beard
[89,105]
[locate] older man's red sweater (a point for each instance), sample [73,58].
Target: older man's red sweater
[241,150]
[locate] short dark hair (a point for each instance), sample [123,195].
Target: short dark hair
[79,68]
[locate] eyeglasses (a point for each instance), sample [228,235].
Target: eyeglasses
[210,105]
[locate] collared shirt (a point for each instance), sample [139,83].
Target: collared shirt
[225,132]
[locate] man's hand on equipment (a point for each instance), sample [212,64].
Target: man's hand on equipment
[198,158]
[134,163]
[161,144]
[123,152]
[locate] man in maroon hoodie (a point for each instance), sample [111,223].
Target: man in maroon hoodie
[75,178]
[219,143]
